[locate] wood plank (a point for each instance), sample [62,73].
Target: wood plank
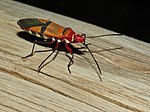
[125,85]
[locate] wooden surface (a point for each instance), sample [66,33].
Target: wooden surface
[126,72]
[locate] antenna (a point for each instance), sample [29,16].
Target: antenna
[113,34]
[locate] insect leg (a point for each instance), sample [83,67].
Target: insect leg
[71,58]
[70,62]
[40,67]
[56,47]
[45,42]
[32,52]
[38,42]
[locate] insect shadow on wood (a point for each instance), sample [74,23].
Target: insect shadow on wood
[31,38]
[40,41]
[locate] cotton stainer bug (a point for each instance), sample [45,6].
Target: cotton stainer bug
[49,30]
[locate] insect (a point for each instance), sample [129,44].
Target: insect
[50,30]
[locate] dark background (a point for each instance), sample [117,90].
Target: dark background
[130,17]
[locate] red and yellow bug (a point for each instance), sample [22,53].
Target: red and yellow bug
[50,30]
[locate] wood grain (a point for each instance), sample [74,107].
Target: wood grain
[125,72]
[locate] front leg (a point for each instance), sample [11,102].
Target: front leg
[71,58]
[70,62]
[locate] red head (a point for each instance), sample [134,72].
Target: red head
[72,37]
[78,38]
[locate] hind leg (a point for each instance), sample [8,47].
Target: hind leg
[38,42]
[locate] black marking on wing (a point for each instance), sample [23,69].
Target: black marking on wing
[30,22]
[45,26]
